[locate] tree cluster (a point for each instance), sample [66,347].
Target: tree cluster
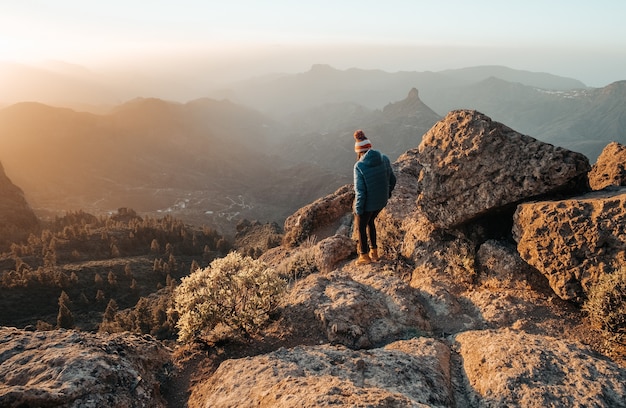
[89,261]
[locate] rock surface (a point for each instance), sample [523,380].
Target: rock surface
[77,369]
[573,242]
[357,310]
[486,368]
[508,368]
[412,373]
[610,168]
[321,218]
[472,165]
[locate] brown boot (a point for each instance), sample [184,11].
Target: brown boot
[374,255]
[363,259]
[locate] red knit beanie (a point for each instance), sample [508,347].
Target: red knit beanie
[361,143]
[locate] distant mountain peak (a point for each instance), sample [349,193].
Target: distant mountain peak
[322,68]
[413,94]
[412,105]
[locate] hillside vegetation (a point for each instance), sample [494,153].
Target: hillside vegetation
[81,269]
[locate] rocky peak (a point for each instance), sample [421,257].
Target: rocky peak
[411,106]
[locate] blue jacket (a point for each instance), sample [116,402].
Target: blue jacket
[373,182]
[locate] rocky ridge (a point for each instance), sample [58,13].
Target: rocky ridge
[460,312]
[511,335]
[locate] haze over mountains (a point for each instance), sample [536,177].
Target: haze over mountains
[262,148]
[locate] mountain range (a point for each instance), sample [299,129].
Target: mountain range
[557,110]
[277,142]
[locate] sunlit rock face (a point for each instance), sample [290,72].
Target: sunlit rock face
[509,368]
[573,242]
[64,368]
[403,374]
[321,218]
[610,169]
[472,165]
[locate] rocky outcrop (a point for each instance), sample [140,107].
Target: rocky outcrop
[412,373]
[323,218]
[77,369]
[17,219]
[473,165]
[508,368]
[610,168]
[453,274]
[332,251]
[358,310]
[456,313]
[500,368]
[573,242]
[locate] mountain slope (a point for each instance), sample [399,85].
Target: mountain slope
[542,80]
[149,155]
[17,219]
[328,142]
[374,88]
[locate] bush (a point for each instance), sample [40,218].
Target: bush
[235,293]
[299,265]
[606,304]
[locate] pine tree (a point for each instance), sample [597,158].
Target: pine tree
[194,265]
[110,312]
[155,247]
[65,320]
[112,279]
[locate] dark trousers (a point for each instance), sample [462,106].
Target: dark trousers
[366,227]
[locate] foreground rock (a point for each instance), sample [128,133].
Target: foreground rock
[488,368]
[506,368]
[473,165]
[610,168]
[413,373]
[61,368]
[573,242]
[357,310]
[322,218]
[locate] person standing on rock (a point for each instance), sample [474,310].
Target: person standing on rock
[374,181]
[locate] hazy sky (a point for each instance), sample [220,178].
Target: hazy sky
[580,39]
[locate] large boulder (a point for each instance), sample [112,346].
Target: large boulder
[573,242]
[358,310]
[473,165]
[320,219]
[391,223]
[610,168]
[508,368]
[77,369]
[411,373]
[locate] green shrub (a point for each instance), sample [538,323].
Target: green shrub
[234,293]
[606,304]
